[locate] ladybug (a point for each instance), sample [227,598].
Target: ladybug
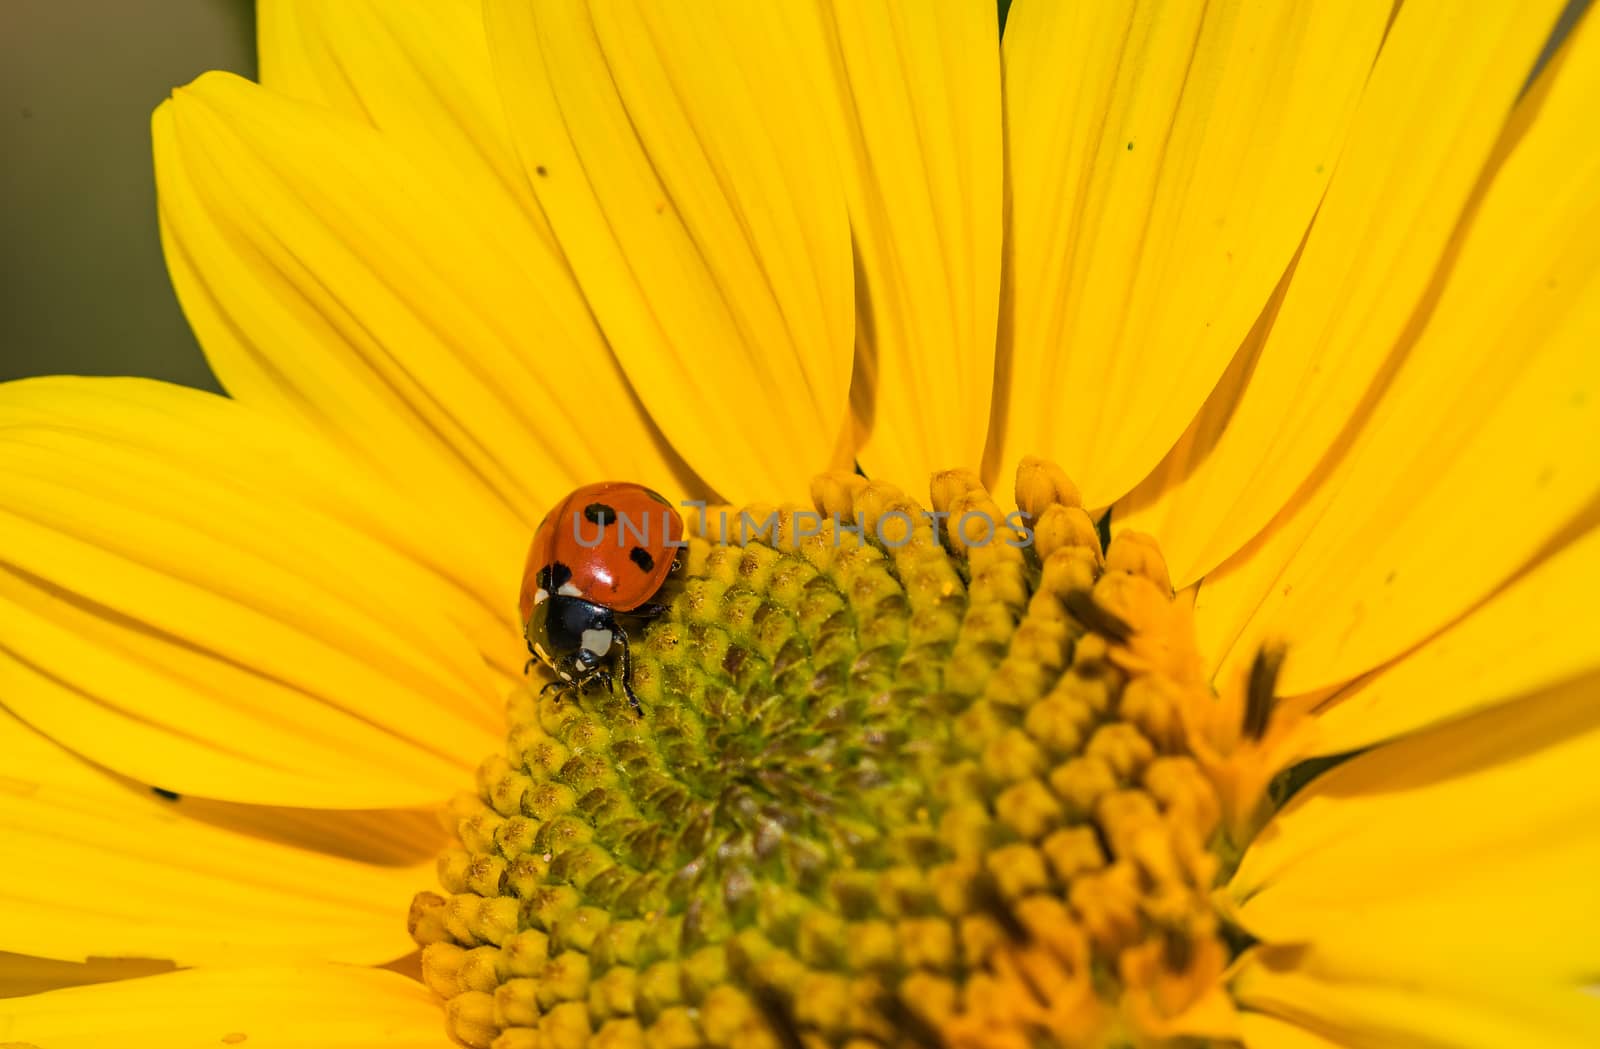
[598,558]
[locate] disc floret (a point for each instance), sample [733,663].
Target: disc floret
[931,781]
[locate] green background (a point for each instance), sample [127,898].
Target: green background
[85,290]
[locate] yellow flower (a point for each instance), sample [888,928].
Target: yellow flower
[1305,296]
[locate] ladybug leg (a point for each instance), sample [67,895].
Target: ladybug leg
[562,689]
[627,671]
[649,611]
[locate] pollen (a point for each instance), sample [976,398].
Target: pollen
[904,777]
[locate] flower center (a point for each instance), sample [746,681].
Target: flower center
[943,779]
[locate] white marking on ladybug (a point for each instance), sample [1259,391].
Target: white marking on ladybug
[597,641]
[541,597]
[570,590]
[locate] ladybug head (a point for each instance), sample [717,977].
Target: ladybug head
[573,637]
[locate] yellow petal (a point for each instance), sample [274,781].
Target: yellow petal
[1428,120]
[97,866]
[367,290]
[418,72]
[1261,1031]
[1463,855]
[1522,917]
[1481,450]
[693,182]
[1438,890]
[186,600]
[919,86]
[1536,633]
[22,974]
[1164,163]
[1142,510]
[213,435]
[288,1007]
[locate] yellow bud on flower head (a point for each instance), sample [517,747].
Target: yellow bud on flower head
[928,778]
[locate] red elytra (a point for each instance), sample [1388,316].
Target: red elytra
[615,541]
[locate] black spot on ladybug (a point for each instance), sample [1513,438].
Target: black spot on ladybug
[599,514]
[641,557]
[553,575]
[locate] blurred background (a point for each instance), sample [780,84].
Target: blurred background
[84,289]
